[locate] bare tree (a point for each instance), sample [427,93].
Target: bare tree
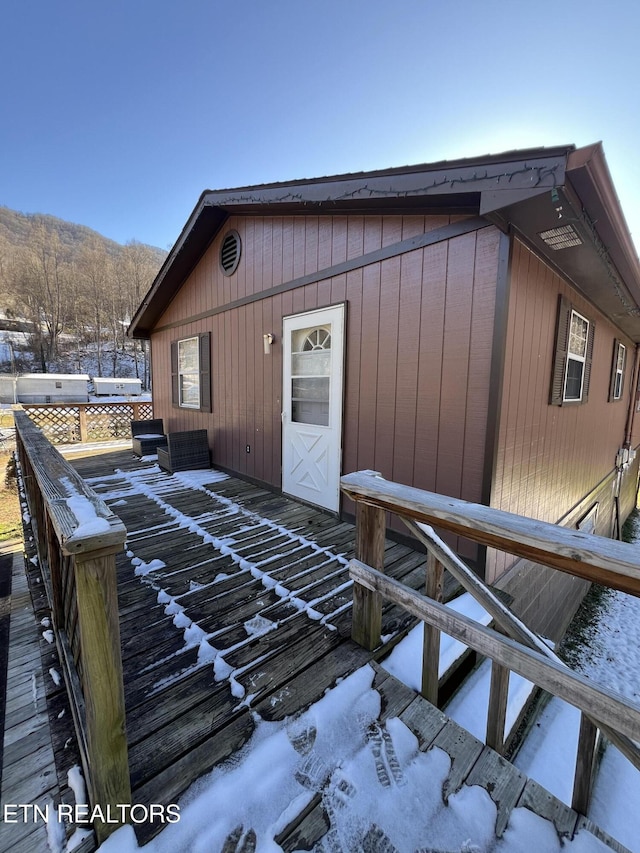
[67,283]
[141,267]
[41,285]
[93,277]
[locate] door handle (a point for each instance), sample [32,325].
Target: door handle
[283,417]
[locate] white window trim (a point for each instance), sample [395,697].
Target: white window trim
[582,359]
[195,373]
[619,372]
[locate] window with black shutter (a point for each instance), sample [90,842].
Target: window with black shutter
[618,364]
[191,372]
[572,356]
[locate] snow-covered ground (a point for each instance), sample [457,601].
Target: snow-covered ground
[611,657]
[379,790]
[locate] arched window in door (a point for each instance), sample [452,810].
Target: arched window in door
[311,375]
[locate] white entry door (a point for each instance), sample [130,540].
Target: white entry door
[313,352]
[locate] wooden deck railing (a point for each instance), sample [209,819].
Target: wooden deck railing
[512,646]
[77,538]
[70,423]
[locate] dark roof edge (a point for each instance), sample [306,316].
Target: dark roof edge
[446,177]
[484,160]
[495,178]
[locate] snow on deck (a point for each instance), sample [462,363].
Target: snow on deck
[234,607]
[235,627]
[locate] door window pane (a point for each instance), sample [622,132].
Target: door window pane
[311,375]
[311,363]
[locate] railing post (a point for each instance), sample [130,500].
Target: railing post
[497,711]
[585,760]
[82,414]
[103,688]
[367,604]
[431,643]
[38,515]
[53,560]
[136,411]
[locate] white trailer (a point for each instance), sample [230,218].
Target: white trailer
[52,388]
[8,391]
[114,387]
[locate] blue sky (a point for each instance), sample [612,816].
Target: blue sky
[117,114]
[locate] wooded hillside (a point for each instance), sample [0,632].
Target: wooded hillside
[68,294]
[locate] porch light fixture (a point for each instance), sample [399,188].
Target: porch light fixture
[561,238]
[267,340]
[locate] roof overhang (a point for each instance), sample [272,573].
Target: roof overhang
[594,249]
[529,192]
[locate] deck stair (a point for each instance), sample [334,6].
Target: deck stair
[472,764]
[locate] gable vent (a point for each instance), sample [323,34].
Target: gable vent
[230,253]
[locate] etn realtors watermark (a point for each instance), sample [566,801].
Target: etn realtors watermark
[86,815]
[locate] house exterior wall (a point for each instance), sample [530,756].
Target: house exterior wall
[635,415]
[420,330]
[555,462]
[418,345]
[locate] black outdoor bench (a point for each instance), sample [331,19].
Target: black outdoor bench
[185,450]
[147,436]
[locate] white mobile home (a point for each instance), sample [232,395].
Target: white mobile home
[7,388]
[113,387]
[52,388]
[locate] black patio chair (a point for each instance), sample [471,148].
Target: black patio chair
[185,451]
[147,436]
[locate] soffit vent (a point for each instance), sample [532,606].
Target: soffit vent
[561,238]
[230,253]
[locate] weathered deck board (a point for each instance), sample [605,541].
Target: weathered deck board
[502,780]
[29,773]
[313,822]
[175,708]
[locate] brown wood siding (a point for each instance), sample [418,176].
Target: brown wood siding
[546,599]
[550,458]
[418,349]
[634,389]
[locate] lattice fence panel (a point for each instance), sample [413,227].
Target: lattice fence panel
[107,421]
[70,424]
[145,411]
[60,424]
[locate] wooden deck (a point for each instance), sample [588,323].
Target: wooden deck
[29,771]
[264,577]
[235,601]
